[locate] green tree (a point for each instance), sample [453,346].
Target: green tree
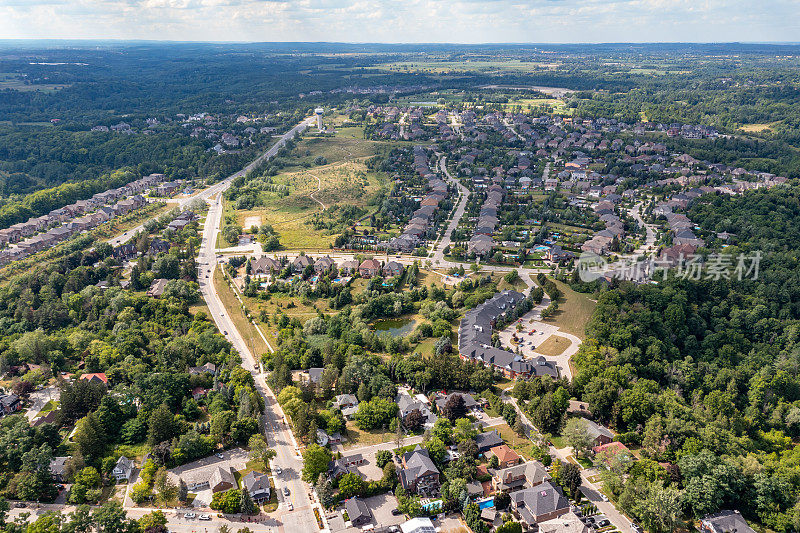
[246,503]
[383,457]
[90,437]
[576,433]
[315,462]
[111,518]
[152,519]
[351,485]
[161,425]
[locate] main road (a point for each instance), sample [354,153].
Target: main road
[220,187]
[279,436]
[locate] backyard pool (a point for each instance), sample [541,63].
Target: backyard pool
[486,504]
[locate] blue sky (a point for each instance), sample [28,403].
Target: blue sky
[407,21]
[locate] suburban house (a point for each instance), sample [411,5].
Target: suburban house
[442,399]
[347,404]
[58,468]
[9,403]
[157,246]
[357,511]
[505,456]
[323,265]
[208,368]
[407,404]
[345,465]
[221,479]
[566,523]
[349,267]
[301,262]
[521,476]
[369,268]
[157,288]
[539,504]
[314,375]
[599,433]
[265,265]
[487,441]
[419,475]
[257,485]
[392,268]
[724,522]
[123,469]
[95,377]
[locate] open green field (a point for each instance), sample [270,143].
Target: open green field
[553,346]
[559,106]
[357,437]
[574,311]
[347,183]
[9,80]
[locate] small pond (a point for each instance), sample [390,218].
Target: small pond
[397,327]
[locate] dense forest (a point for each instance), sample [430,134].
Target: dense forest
[704,373]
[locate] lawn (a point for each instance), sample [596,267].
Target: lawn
[249,333]
[514,441]
[357,437]
[553,346]
[574,311]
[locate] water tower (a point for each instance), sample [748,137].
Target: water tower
[318,111]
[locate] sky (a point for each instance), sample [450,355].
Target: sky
[405,21]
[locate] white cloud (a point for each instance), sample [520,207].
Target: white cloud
[466,21]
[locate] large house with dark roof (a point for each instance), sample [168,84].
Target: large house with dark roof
[539,504]
[725,522]
[419,475]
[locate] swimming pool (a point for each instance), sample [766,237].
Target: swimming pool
[435,505]
[486,504]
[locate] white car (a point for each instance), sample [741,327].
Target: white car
[204,517]
[220,455]
[289,506]
[278,470]
[190,515]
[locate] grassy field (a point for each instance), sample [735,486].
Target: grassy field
[249,333]
[514,441]
[343,181]
[553,346]
[756,128]
[575,310]
[559,106]
[357,437]
[10,80]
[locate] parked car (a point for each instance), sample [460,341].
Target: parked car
[603,523]
[289,506]
[278,471]
[286,491]
[190,515]
[20,505]
[220,455]
[396,512]
[204,517]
